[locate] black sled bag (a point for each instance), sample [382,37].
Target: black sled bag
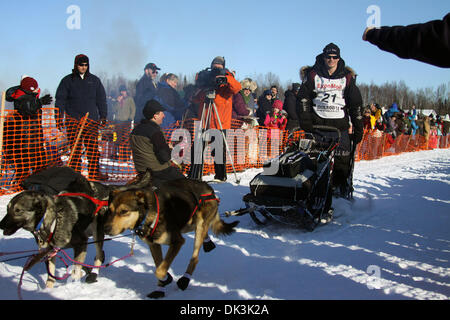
[293,163]
[273,186]
[52,180]
[290,164]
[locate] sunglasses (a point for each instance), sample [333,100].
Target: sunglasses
[331,57]
[84,65]
[154,71]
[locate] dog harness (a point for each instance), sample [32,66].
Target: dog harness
[37,234]
[139,231]
[203,198]
[99,203]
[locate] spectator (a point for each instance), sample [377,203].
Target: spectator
[227,86]
[274,120]
[111,100]
[192,109]
[24,141]
[400,124]
[445,125]
[248,87]
[439,125]
[264,106]
[420,123]
[290,106]
[412,120]
[427,127]
[407,123]
[124,113]
[390,112]
[79,93]
[388,115]
[145,89]
[375,111]
[274,92]
[282,123]
[170,99]
[427,42]
[367,116]
[433,140]
[150,148]
[380,126]
[239,106]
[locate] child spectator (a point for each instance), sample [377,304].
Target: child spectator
[283,120]
[367,119]
[273,118]
[24,141]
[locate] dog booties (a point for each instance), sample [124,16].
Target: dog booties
[160,293]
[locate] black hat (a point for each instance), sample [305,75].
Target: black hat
[151,108]
[295,86]
[151,66]
[81,58]
[331,48]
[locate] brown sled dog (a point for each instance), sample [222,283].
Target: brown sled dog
[161,216]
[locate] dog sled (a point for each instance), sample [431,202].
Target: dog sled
[295,187]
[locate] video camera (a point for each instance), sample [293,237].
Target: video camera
[207,79]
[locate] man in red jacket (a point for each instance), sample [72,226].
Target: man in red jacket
[226,86]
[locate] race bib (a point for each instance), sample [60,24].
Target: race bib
[330,102]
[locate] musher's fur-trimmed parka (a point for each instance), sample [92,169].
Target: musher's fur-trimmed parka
[351,95]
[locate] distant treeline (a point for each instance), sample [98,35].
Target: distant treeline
[437,99]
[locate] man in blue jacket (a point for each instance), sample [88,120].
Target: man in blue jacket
[79,93]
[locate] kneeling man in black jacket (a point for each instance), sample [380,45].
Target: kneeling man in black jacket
[150,148]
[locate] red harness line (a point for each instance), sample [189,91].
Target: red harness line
[99,203]
[155,223]
[203,198]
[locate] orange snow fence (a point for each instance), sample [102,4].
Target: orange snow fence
[102,152]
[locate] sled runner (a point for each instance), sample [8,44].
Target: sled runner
[295,187]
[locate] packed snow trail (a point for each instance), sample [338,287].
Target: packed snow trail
[393,242]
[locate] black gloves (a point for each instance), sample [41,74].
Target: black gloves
[46,100]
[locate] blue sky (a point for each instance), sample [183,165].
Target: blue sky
[255,37]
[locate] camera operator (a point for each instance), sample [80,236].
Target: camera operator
[222,81]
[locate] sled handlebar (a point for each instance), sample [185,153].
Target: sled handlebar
[328,128]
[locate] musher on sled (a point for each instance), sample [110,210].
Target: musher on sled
[319,162]
[329,96]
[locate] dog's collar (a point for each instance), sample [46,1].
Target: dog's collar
[37,233]
[139,229]
[99,203]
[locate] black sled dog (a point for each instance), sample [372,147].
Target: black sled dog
[62,219]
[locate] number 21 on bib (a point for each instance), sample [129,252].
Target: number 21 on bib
[330,102]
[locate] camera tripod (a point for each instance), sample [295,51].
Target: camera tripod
[209,107]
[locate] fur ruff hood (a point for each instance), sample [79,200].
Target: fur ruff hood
[303,72]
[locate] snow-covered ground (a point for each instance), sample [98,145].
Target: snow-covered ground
[393,242]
